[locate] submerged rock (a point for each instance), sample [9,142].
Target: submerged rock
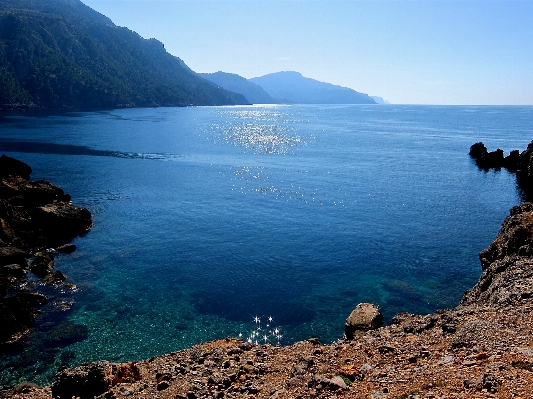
[66,333]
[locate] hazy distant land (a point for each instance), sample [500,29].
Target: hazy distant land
[63,54]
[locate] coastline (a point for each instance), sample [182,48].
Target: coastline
[480,348]
[37,221]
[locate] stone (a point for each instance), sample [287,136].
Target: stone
[56,277]
[85,382]
[42,265]
[10,255]
[364,317]
[62,221]
[337,383]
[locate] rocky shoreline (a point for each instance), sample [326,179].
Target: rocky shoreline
[37,220]
[480,349]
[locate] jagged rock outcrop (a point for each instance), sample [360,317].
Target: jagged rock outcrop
[35,217]
[507,264]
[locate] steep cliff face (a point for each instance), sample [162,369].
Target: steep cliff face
[61,53]
[507,264]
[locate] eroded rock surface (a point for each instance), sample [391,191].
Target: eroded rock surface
[35,218]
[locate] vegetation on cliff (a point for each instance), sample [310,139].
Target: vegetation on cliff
[61,53]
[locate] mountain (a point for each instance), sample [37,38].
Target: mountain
[293,87]
[379,100]
[232,82]
[61,53]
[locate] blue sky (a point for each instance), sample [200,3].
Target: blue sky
[412,52]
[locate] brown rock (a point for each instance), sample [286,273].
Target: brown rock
[364,317]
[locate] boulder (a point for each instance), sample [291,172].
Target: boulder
[42,264]
[62,221]
[364,317]
[56,277]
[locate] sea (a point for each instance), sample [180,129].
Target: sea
[268,222]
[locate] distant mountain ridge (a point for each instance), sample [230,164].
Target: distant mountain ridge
[232,82]
[62,53]
[293,87]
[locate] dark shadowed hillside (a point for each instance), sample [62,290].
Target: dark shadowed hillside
[232,82]
[294,88]
[61,53]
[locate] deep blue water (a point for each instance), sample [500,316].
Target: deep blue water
[207,217]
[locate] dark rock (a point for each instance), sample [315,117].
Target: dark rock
[66,248]
[14,270]
[524,174]
[512,161]
[477,150]
[13,167]
[449,328]
[31,298]
[493,159]
[364,317]
[7,234]
[62,221]
[489,382]
[86,381]
[56,277]
[419,324]
[162,385]
[17,315]
[42,265]
[10,255]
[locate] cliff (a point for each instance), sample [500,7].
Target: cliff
[63,54]
[482,348]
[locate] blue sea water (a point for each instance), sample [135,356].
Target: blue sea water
[207,217]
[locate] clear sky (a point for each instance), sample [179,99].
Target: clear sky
[413,52]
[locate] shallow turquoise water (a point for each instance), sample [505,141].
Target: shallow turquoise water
[208,217]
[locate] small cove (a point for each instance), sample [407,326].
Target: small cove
[208,217]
